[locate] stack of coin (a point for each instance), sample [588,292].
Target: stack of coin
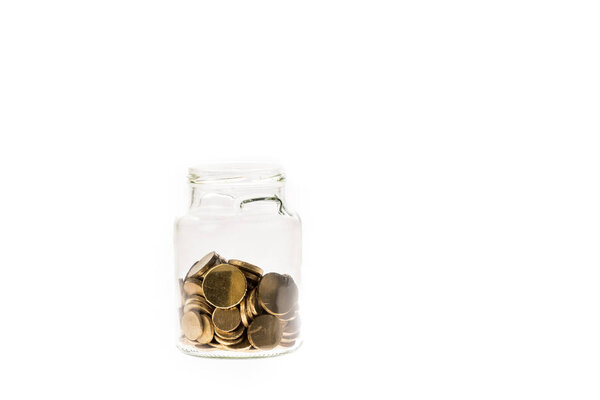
[231,305]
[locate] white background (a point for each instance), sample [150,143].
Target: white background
[443,157]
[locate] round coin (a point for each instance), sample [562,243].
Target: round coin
[289,316]
[229,342]
[188,342]
[249,314]
[252,278]
[243,265]
[243,315]
[265,332]
[191,325]
[200,300]
[226,319]
[203,265]
[231,335]
[252,304]
[277,294]
[287,340]
[198,303]
[241,346]
[289,336]
[224,286]
[207,331]
[193,307]
[194,297]
[193,286]
[292,326]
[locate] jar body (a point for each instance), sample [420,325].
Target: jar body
[249,230]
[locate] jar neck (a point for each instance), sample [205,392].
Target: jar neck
[231,198]
[237,187]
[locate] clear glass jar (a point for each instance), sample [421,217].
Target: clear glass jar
[237,264]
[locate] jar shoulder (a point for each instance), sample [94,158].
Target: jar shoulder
[192,218]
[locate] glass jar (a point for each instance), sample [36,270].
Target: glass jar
[237,264]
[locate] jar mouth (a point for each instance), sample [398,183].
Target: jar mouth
[236,173]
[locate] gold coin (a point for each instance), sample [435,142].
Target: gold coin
[292,326]
[231,335]
[193,307]
[202,266]
[287,344]
[207,330]
[243,315]
[226,319]
[264,332]
[228,342]
[252,278]
[289,316]
[241,346]
[248,311]
[191,325]
[287,339]
[199,299]
[277,294]
[289,336]
[193,286]
[244,266]
[196,307]
[252,304]
[224,286]
[195,297]
[198,303]
[187,341]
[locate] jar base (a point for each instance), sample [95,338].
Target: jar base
[217,353]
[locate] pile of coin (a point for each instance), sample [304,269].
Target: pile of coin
[231,305]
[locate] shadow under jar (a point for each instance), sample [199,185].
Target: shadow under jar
[237,264]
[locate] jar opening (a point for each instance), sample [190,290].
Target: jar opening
[236,173]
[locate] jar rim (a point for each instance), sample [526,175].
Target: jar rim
[236,173]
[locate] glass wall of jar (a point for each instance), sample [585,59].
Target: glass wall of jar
[237,264]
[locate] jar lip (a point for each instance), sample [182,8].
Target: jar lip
[236,173]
